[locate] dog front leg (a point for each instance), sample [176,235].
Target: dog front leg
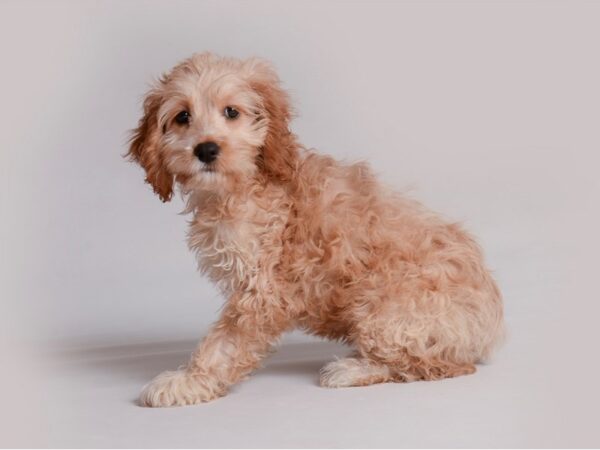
[232,349]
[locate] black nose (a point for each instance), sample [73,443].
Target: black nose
[207,151]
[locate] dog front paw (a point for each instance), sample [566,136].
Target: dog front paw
[178,388]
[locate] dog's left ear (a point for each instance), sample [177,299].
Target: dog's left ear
[144,146]
[279,153]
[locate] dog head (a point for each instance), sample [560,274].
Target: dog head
[212,122]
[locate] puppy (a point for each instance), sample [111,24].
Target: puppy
[295,239]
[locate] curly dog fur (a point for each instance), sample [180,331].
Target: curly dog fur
[295,239]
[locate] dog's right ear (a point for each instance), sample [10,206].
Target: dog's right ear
[144,146]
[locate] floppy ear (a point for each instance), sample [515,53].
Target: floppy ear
[144,148]
[278,155]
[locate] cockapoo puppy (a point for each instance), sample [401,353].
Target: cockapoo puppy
[295,239]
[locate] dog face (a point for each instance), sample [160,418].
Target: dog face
[212,122]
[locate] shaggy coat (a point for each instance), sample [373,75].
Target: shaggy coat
[295,239]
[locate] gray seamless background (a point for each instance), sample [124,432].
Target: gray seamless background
[487,112]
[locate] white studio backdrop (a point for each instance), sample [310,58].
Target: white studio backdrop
[487,112]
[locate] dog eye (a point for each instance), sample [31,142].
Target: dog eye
[182,118]
[231,113]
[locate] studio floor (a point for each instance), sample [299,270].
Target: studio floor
[507,403]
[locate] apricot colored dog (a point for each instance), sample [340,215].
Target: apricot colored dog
[295,239]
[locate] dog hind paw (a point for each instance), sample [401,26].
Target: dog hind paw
[348,372]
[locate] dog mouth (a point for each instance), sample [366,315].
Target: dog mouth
[208,169]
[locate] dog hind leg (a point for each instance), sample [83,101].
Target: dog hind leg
[362,371]
[357,371]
